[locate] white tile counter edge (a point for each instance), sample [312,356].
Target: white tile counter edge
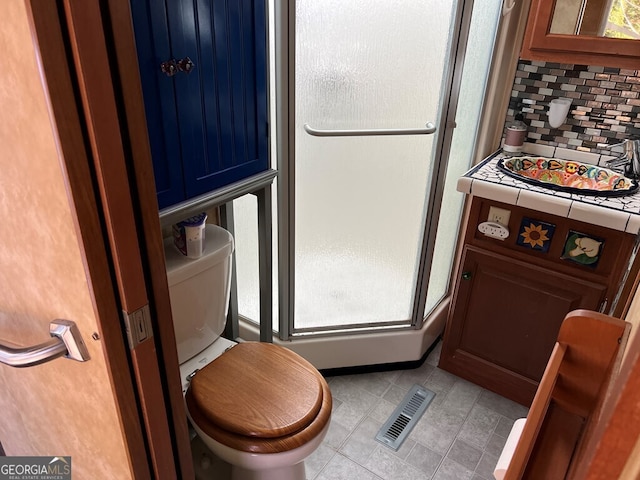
[513,194]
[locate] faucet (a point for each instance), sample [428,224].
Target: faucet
[629,160]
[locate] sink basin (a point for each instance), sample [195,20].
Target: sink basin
[568,176]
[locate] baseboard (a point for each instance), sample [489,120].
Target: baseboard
[367,349]
[386,367]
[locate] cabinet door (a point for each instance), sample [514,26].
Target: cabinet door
[153,47]
[209,123]
[506,318]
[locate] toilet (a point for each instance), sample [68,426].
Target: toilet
[260,407]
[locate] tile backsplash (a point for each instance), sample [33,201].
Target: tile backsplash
[605,108]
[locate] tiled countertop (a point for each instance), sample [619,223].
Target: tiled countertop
[487,181]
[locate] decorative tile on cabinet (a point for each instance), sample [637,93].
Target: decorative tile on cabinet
[582,248]
[535,234]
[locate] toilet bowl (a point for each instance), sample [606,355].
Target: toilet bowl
[260,407]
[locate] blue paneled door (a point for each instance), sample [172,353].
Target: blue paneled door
[208,121]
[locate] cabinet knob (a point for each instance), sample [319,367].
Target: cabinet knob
[186,65]
[466,275]
[169,68]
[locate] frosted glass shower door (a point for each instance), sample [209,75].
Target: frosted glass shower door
[360,201]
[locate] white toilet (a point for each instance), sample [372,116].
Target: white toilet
[260,407]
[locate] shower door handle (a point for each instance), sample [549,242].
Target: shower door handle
[427,130]
[66,342]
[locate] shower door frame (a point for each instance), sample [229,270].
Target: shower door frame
[285,20]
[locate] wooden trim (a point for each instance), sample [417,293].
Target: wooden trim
[594,340]
[56,78]
[619,430]
[628,287]
[569,398]
[632,467]
[566,55]
[536,414]
[86,35]
[587,448]
[574,49]
[456,267]
[125,74]
[101,118]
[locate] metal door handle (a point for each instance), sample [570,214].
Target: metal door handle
[429,129]
[66,342]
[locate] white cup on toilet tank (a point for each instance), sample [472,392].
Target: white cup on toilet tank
[195,240]
[188,236]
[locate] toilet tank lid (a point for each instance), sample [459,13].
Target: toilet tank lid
[218,245]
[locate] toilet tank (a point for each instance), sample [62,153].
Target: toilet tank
[199,291]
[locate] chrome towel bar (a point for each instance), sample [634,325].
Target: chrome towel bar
[429,129]
[66,342]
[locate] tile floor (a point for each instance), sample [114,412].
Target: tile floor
[459,437]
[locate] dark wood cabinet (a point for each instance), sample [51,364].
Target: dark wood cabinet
[207,112]
[540,44]
[510,300]
[507,316]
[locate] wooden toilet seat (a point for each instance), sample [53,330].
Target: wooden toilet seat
[259,398]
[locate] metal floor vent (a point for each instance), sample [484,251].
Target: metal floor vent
[405,417]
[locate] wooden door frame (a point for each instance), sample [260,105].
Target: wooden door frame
[126,78]
[103,145]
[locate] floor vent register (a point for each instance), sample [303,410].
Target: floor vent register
[405,417]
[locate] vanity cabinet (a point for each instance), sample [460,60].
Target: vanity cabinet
[203,69]
[510,299]
[540,44]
